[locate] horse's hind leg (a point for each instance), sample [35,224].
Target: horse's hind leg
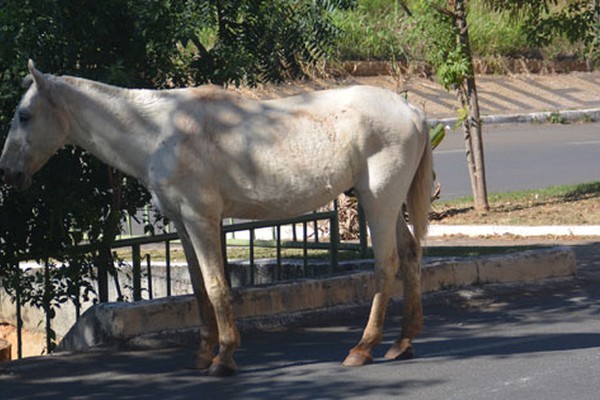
[208,326]
[383,234]
[412,319]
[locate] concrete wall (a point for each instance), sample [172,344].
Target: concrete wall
[119,323]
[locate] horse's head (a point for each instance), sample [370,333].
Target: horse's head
[37,131]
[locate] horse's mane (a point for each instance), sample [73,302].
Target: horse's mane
[104,88]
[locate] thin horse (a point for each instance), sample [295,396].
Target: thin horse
[205,154]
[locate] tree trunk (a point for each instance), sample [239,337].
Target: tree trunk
[467,94]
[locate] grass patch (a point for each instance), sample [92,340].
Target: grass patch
[380,30]
[243,253]
[474,251]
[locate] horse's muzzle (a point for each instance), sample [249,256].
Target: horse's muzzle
[16,179]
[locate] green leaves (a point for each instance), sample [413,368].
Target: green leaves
[435,30]
[260,41]
[455,68]
[130,43]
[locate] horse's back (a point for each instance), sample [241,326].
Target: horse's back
[357,95]
[282,157]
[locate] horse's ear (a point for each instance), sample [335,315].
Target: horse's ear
[37,76]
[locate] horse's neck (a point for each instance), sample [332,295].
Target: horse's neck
[110,126]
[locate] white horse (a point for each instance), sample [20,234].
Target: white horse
[205,154]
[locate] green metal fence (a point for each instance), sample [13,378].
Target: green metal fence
[143,267]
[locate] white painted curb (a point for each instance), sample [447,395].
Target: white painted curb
[515,230]
[543,116]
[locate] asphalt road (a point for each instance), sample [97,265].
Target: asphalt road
[526,342]
[524,156]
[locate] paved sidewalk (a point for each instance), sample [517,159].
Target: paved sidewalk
[492,342]
[503,95]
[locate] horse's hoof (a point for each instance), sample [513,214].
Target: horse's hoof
[220,370]
[202,363]
[399,352]
[357,360]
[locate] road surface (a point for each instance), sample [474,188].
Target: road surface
[526,342]
[524,156]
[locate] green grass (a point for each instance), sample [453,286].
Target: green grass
[556,193]
[243,253]
[345,255]
[496,33]
[378,30]
[372,31]
[474,251]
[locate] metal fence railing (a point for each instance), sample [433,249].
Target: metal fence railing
[142,276]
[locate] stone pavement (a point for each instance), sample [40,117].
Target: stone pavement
[513,94]
[499,95]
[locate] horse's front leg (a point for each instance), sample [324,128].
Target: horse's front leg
[208,326]
[205,235]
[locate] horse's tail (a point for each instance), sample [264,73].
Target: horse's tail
[418,201]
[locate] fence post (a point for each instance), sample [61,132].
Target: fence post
[136,272]
[19,315]
[363,233]
[278,250]
[104,258]
[168,266]
[76,298]
[47,304]
[316,229]
[305,248]
[149,269]
[251,237]
[334,241]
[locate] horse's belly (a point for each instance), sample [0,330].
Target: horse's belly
[284,199]
[280,183]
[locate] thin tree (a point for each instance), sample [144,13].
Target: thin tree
[444,26]
[467,95]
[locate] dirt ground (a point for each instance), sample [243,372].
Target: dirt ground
[34,344]
[576,212]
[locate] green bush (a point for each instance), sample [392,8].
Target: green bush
[381,30]
[371,31]
[496,33]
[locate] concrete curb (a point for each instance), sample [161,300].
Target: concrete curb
[514,230]
[263,307]
[592,114]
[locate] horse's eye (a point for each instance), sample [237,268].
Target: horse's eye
[24,116]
